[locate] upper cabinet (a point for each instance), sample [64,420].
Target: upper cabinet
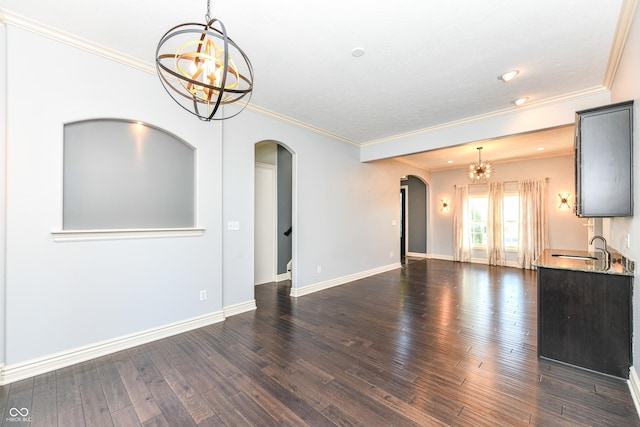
[604,161]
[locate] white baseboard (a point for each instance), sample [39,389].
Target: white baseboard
[23,370]
[282,277]
[442,257]
[243,307]
[634,388]
[305,290]
[416,254]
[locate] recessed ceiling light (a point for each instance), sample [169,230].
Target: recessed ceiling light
[449,161]
[357,52]
[518,102]
[540,149]
[510,75]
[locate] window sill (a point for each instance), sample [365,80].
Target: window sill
[61,236]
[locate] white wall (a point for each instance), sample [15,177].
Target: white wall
[343,209]
[3,171]
[566,231]
[626,87]
[66,296]
[61,296]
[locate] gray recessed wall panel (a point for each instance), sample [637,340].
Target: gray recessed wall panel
[125,175]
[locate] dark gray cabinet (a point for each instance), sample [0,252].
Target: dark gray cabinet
[584,319]
[604,161]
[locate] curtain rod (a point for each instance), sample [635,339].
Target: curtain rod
[546,178]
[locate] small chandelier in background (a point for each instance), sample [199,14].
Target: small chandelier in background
[480,171]
[202,69]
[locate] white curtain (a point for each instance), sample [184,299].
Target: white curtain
[495,241]
[533,236]
[461,228]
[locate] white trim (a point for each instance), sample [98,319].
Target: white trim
[73,40]
[8,17]
[272,228]
[298,292]
[286,119]
[284,276]
[442,257]
[31,368]
[416,254]
[61,236]
[243,307]
[620,37]
[634,388]
[625,19]
[494,114]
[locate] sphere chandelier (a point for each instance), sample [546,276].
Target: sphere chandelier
[202,69]
[480,171]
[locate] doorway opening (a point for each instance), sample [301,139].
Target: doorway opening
[414,197]
[273,215]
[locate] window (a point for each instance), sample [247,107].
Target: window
[478,207]
[478,210]
[126,175]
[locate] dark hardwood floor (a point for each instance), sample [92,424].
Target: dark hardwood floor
[433,343]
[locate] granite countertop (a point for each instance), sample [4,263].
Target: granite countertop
[620,265]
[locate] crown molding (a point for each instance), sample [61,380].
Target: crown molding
[8,17]
[286,119]
[499,113]
[622,31]
[627,13]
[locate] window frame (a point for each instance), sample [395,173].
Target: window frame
[481,246]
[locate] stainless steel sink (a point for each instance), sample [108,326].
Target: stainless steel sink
[582,257]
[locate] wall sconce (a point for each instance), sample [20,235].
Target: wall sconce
[444,205]
[564,201]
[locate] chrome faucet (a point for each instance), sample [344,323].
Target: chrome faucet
[605,251]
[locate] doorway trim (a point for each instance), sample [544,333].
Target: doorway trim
[404,220]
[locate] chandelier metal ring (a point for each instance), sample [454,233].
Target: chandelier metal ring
[196,66]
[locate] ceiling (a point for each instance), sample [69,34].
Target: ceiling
[426,63]
[544,143]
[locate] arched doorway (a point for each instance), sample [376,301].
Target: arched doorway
[273,216]
[414,208]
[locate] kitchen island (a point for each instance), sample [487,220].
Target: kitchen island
[584,310]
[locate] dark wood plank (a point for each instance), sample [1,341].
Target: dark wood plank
[71,417]
[44,411]
[125,417]
[143,402]
[20,399]
[433,343]
[114,392]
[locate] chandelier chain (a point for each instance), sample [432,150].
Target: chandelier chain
[208,15]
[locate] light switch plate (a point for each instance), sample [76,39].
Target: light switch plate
[233,225]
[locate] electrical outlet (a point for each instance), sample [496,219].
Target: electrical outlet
[203,295]
[627,241]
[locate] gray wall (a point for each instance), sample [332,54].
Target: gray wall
[417,202]
[285,195]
